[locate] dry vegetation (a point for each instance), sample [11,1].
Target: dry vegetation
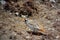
[13,27]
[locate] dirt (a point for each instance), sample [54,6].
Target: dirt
[14,28]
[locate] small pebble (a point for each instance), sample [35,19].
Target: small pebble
[57,36]
[14,33]
[53,29]
[28,37]
[16,13]
[49,28]
[52,1]
[10,13]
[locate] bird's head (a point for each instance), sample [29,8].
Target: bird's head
[28,20]
[25,20]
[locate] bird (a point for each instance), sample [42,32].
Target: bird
[33,26]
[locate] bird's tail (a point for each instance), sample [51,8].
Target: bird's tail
[41,30]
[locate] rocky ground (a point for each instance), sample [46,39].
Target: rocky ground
[14,28]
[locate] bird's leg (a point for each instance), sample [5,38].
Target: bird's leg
[38,34]
[31,33]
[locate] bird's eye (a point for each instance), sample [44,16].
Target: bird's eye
[25,20]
